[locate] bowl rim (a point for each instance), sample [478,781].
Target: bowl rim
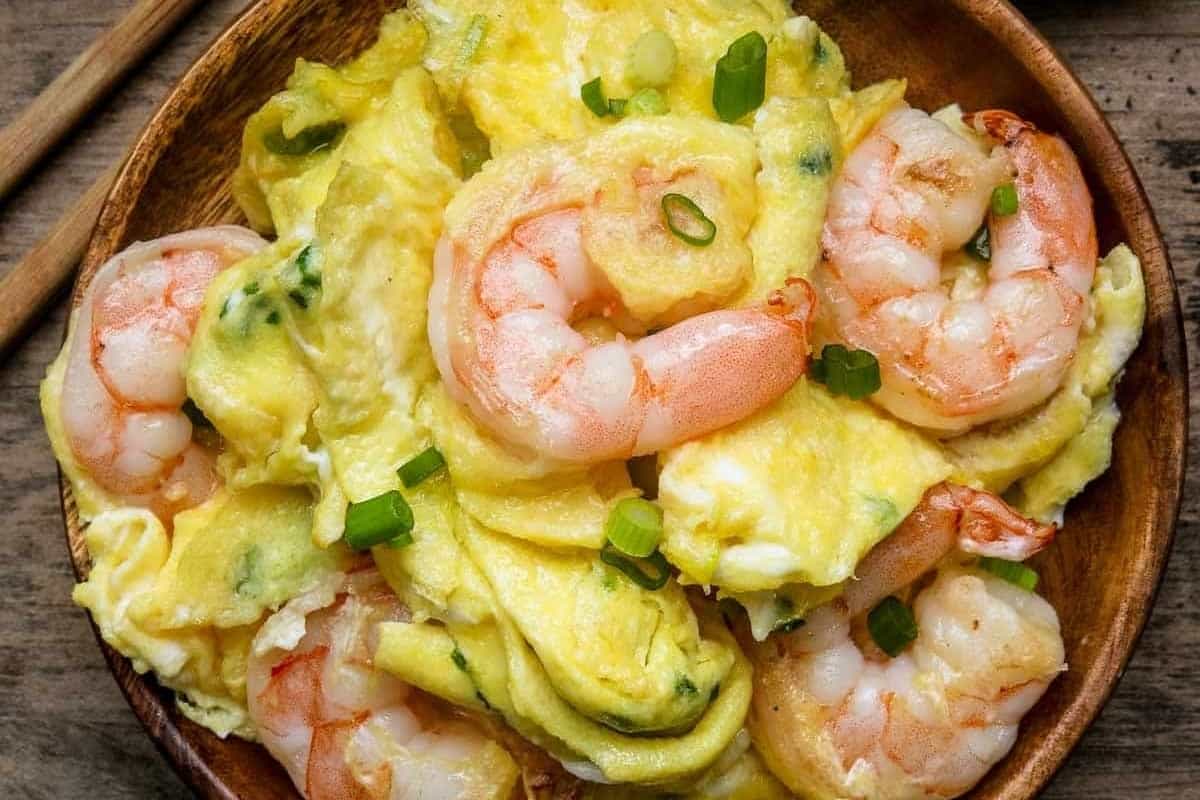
[1019,36]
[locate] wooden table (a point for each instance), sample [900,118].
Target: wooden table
[65,731]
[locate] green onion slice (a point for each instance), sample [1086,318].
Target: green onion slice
[1004,200]
[1014,572]
[309,140]
[635,526]
[381,519]
[740,79]
[592,94]
[854,373]
[892,626]
[652,59]
[614,558]
[616,106]
[980,246]
[476,29]
[420,467]
[645,103]
[687,221]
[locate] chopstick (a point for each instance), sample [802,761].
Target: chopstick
[45,269]
[90,77]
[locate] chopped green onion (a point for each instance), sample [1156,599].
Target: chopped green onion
[687,221]
[381,519]
[652,59]
[740,79]
[892,626]
[400,542]
[854,373]
[273,317]
[309,274]
[616,106]
[816,162]
[1014,572]
[298,298]
[635,526]
[459,659]
[476,29]
[1004,200]
[614,558]
[309,140]
[195,415]
[684,687]
[250,288]
[645,103]
[980,246]
[592,94]
[420,467]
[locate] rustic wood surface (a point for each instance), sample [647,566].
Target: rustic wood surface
[66,732]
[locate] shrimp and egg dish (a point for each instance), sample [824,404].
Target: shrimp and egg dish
[609,401]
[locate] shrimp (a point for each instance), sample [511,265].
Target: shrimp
[833,719]
[346,731]
[124,386]
[500,328]
[914,191]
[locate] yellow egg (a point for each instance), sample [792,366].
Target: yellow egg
[796,493]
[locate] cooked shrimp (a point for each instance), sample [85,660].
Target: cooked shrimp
[345,731]
[914,191]
[124,385]
[833,719]
[500,328]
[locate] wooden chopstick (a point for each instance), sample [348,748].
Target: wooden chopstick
[90,77]
[48,267]
[45,270]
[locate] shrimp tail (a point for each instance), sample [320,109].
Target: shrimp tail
[990,527]
[948,517]
[1004,126]
[796,304]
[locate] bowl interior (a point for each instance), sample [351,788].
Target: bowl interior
[1102,571]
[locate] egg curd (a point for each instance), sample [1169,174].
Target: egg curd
[311,368]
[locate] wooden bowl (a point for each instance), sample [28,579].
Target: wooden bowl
[1102,572]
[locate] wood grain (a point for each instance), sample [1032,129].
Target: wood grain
[90,77]
[64,733]
[50,265]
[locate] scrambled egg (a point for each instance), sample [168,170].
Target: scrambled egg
[794,494]
[311,362]
[186,606]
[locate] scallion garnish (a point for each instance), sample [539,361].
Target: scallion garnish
[980,246]
[1004,200]
[854,373]
[616,106]
[687,221]
[592,94]
[614,558]
[645,103]
[420,467]
[892,626]
[309,140]
[740,79]
[652,59]
[635,526]
[381,519]
[1014,572]
[476,28]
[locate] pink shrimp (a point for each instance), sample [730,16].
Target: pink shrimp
[124,385]
[833,719]
[500,328]
[347,731]
[913,191]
